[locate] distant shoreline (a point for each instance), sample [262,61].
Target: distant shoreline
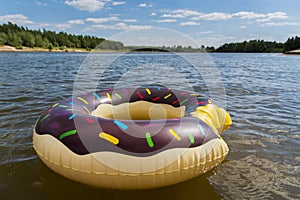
[6,48]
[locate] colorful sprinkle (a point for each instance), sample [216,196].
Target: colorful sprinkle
[109,138]
[149,140]
[83,100]
[71,103]
[45,117]
[62,136]
[183,102]
[117,95]
[192,139]
[63,106]
[121,124]
[140,95]
[156,98]
[158,88]
[183,93]
[108,96]
[148,91]
[175,134]
[201,129]
[72,116]
[209,101]
[201,102]
[194,94]
[176,101]
[89,120]
[86,109]
[55,105]
[73,109]
[97,96]
[167,96]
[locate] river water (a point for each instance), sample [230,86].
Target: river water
[262,96]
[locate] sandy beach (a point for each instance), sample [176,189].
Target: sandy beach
[294,52]
[6,48]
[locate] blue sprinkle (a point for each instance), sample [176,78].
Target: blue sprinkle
[97,96]
[71,103]
[201,129]
[72,116]
[158,88]
[121,125]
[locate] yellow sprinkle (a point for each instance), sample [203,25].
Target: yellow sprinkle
[209,101]
[168,96]
[55,105]
[83,100]
[175,134]
[194,94]
[86,109]
[108,96]
[109,138]
[148,91]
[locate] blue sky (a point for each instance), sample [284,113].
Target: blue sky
[209,22]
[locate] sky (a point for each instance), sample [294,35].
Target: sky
[208,22]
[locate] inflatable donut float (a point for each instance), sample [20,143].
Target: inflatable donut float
[132,138]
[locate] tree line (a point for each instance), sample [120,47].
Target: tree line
[261,46]
[19,36]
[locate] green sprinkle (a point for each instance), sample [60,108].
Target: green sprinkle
[183,102]
[45,117]
[192,139]
[62,136]
[119,96]
[149,140]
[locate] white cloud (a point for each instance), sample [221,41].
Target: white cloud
[39,3]
[173,16]
[213,16]
[187,12]
[277,15]
[117,3]
[144,5]
[101,20]
[16,18]
[247,15]
[189,24]
[216,16]
[76,21]
[69,24]
[87,5]
[121,26]
[263,20]
[153,14]
[243,27]
[204,32]
[280,24]
[166,21]
[63,26]
[129,20]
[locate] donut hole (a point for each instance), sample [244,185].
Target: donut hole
[140,110]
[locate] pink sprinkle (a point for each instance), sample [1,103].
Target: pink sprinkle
[140,95]
[89,120]
[156,98]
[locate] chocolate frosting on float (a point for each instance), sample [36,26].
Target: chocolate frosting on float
[70,122]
